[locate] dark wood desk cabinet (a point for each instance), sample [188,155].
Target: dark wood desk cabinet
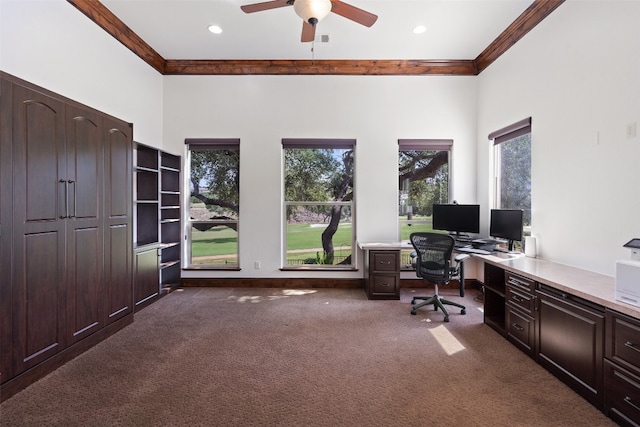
[382,280]
[570,341]
[562,332]
[520,312]
[622,368]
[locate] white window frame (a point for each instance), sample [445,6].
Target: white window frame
[203,144]
[315,143]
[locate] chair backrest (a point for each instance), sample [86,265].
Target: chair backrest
[433,252]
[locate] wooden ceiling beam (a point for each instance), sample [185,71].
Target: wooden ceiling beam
[322,67]
[109,22]
[531,17]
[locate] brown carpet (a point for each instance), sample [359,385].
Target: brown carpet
[325,357]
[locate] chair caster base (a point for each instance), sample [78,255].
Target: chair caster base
[413,312]
[446,319]
[463,311]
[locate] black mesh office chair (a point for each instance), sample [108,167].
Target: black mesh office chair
[432,262]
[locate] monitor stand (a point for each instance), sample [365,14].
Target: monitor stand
[509,249]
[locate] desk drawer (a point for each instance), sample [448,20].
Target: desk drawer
[385,261]
[522,300]
[384,284]
[523,284]
[623,340]
[622,395]
[520,330]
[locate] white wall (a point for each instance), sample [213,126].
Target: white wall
[577,75]
[375,110]
[52,44]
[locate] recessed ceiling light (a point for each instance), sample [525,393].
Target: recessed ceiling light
[419,29]
[215,29]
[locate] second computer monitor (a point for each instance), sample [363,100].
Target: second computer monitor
[507,224]
[456,218]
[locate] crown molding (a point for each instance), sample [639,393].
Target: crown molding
[532,16]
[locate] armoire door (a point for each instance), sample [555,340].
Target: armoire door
[40,208]
[85,227]
[118,219]
[6,231]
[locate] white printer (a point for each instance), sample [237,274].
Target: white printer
[628,275]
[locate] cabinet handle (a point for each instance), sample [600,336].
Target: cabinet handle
[632,346]
[520,284]
[628,400]
[516,298]
[75,201]
[66,199]
[385,284]
[385,262]
[518,327]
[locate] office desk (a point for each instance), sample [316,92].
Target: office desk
[568,320]
[590,286]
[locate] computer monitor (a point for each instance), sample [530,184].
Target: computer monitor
[456,218]
[507,224]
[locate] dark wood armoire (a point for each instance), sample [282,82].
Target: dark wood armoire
[65,230]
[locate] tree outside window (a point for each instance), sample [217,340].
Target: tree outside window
[423,180]
[513,187]
[512,160]
[318,203]
[214,166]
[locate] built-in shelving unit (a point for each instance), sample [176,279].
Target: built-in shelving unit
[170,226]
[157,216]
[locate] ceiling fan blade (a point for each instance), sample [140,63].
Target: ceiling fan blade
[267,5]
[308,32]
[353,13]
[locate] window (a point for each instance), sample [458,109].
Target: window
[423,179]
[512,156]
[213,170]
[318,203]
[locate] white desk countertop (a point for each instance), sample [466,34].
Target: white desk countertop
[594,287]
[366,246]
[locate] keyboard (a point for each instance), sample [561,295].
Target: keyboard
[473,251]
[486,241]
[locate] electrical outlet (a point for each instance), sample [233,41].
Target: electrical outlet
[257,265]
[632,130]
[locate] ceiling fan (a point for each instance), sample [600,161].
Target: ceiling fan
[313,11]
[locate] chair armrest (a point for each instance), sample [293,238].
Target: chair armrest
[460,258]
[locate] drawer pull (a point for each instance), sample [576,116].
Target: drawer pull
[631,346]
[518,327]
[385,284]
[515,282]
[628,400]
[517,298]
[385,262]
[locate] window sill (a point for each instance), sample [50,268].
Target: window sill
[210,267]
[308,268]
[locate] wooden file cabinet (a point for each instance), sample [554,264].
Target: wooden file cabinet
[382,279]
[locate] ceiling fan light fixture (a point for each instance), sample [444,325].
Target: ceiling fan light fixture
[312,11]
